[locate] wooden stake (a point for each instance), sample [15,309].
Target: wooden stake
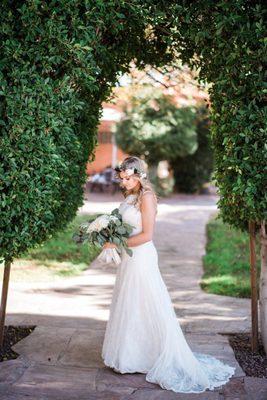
[263,286]
[4,300]
[254,291]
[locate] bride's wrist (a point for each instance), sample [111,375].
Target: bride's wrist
[109,245]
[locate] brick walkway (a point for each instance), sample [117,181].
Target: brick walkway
[61,359]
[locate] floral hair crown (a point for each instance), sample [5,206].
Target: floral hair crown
[131,171]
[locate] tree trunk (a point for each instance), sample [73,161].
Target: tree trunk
[263,286]
[153,171]
[254,291]
[4,300]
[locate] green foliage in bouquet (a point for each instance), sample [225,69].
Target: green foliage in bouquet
[114,230]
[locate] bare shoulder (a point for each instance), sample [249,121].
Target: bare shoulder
[148,198]
[148,194]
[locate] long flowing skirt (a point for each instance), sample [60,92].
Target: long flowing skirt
[143,333]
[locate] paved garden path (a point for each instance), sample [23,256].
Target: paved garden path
[61,359]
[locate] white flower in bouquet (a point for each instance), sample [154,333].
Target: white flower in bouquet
[113,218]
[99,223]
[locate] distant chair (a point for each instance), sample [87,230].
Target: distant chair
[104,182]
[112,182]
[97,182]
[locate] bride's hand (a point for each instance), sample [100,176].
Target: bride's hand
[109,245]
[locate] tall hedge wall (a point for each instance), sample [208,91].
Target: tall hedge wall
[226,41]
[59,62]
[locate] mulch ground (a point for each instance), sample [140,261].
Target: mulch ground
[12,335]
[253,363]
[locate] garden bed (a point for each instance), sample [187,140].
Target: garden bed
[253,364]
[12,335]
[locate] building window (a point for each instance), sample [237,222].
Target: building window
[104,137]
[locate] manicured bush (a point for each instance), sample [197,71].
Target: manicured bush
[226,41]
[59,62]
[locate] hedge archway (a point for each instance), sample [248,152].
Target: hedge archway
[59,62]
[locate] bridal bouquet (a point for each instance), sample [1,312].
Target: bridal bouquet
[106,228]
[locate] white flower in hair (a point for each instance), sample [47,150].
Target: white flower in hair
[142,175]
[129,171]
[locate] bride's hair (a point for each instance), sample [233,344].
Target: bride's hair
[138,165]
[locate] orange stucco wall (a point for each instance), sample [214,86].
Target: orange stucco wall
[103,155]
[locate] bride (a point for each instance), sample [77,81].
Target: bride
[143,333]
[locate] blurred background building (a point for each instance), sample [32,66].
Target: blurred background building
[179,82]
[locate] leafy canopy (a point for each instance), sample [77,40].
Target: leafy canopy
[155,127]
[59,62]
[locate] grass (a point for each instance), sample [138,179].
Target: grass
[59,257]
[226,262]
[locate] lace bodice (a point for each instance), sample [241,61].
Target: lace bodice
[131,214]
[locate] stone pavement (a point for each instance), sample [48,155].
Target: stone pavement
[61,359]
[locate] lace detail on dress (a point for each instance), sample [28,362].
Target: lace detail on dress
[131,214]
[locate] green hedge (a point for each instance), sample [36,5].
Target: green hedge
[226,41]
[59,61]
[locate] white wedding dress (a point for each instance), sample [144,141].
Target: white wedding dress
[143,333]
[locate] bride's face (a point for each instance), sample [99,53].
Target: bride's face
[130,182]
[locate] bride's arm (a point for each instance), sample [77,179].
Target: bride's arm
[148,212]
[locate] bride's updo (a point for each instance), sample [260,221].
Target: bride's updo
[136,166]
